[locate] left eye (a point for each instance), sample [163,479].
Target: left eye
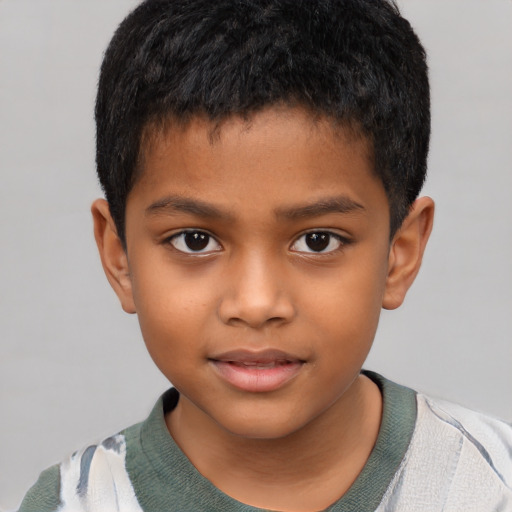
[317,242]
[194,242]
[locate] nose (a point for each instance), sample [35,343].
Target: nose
[256,294]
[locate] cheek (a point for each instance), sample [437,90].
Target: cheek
[174,315]
[347,305]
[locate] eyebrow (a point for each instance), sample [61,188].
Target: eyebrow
[171,205]
[341,204]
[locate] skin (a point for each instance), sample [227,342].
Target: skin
[255,189]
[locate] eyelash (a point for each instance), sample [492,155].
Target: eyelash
[342,241]
[179,243]
[199,236]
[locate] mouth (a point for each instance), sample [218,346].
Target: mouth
[257,372]
[259,365]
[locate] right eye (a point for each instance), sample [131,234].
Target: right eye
[194,242]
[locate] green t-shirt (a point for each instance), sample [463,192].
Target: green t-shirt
[425,459]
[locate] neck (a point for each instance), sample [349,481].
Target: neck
[306,470]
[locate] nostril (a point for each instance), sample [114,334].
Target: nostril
[255,315]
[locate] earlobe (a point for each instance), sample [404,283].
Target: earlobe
[406,252]
[112,254]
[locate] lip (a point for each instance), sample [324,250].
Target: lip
[257,372]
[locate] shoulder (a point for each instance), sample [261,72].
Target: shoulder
[94,478]
[483,439]
[44,495]
[459,457]
[103,477]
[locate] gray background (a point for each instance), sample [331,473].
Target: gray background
[73,367]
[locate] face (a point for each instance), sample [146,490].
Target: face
[258,257]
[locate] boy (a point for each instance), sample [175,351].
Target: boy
[262,162]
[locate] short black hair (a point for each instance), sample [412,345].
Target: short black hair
[357,62]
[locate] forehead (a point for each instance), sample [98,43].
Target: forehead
[284,150]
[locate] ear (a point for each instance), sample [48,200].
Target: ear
[112,254]
[407,250]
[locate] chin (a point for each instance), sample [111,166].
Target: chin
[263,427]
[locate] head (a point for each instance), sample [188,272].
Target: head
[261,162]
[357,63]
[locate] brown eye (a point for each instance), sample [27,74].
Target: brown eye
[194,242]
[318,242]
